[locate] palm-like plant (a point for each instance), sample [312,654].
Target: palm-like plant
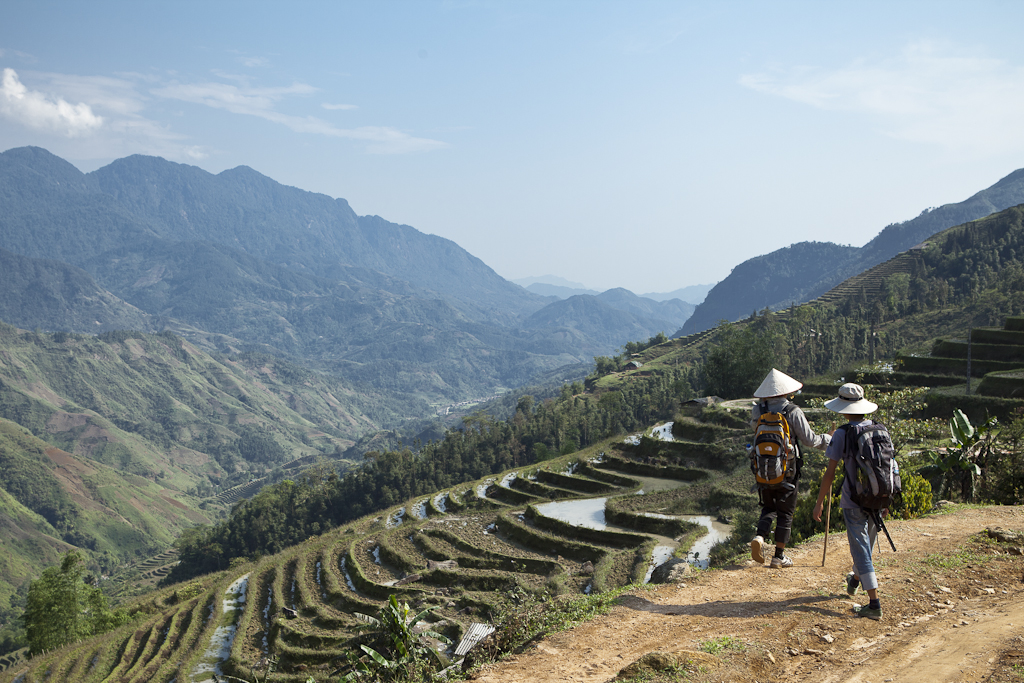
[969,445]
[399,649]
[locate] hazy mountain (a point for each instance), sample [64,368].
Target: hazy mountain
[797,273]
[546,290]
[56,296]
[694,294]
[766,281]
[237,260]
[552,285]
[593,324]
[554,280]
[670,311]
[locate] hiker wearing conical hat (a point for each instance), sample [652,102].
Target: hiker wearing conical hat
[778,502]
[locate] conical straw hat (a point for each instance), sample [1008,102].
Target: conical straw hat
[777,383]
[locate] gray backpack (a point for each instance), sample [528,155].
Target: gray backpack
[871,466]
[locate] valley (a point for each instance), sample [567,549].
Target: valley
[257,415]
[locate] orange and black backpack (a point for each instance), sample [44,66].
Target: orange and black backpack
[773,455]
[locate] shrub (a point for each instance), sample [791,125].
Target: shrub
[916,498]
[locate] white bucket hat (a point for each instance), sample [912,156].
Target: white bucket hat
[777,384]
[851,401]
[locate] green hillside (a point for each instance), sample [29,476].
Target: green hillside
[116,444]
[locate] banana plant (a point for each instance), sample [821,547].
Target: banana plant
[969,445]
[400,649]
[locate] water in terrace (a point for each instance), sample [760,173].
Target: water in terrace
[589,512]
[209,666]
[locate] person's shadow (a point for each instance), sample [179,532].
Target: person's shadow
[725,608]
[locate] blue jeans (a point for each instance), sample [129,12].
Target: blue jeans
[862,533]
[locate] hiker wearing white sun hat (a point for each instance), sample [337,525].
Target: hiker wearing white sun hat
[861,524]
[851,401]
[778,503]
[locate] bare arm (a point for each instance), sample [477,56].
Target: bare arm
[826,487]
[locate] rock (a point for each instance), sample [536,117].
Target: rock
[1016,551]
[290,613]
[812,651]
[1004,536]
[828,638]
[944,589]
[445,564]
[409,579]
[673,571]
[587,569]
[770,657]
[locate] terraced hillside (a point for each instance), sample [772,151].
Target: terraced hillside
[952,368]
[462,551]
[869,283]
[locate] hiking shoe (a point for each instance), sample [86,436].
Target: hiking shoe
[781,562]
[866,611]
[852,582]
[757,549]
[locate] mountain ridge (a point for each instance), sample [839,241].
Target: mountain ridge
[747,289]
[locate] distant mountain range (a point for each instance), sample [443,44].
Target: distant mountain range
[552,285]
[238,261]
[805,271]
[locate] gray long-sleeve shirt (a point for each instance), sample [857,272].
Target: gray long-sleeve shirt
[799,428]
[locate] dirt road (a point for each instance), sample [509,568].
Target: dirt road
[953,606]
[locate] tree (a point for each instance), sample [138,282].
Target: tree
[61,607]
[739,360]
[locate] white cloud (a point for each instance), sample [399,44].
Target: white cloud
[114,115]
[40,111]
[260,102]
[116,102]
[342,107]
[928,94]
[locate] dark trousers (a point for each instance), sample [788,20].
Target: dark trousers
[780,505]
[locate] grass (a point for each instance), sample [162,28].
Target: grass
[524,617]
[958,559]
[672,674]
[717,645]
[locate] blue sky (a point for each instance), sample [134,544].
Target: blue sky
[647,145]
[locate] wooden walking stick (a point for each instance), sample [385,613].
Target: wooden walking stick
[828,523]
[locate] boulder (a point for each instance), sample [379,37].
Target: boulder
[1005,536]
[409,579]
[673,571]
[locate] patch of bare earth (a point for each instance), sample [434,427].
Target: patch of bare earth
[953,604]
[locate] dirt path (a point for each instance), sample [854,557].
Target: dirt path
[953,611]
